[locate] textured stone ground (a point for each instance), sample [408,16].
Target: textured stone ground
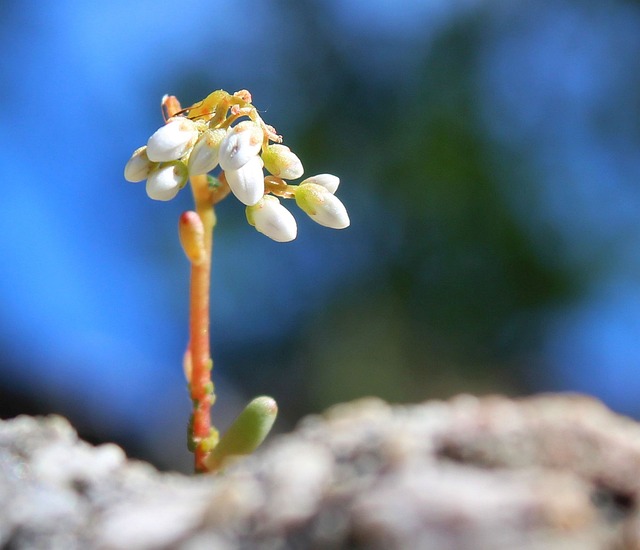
[550,472]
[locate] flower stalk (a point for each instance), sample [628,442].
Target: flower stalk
[201,387]
[193,142]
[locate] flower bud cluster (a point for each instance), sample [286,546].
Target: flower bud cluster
[226,131]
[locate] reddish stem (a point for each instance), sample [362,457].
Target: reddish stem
[201,385]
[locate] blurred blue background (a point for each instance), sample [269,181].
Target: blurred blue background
[489,153]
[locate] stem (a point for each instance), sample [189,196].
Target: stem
[204,437]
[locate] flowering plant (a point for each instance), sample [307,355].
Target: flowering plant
[225,132]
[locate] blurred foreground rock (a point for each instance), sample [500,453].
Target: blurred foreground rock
[549,472]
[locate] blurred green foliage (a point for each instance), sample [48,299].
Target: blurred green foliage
[446,307]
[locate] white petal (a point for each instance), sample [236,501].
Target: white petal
[241,143]
[322,206]
[281,162]
[247,183]
[204,156]
[173,140]
[272,219]
[138,166]
[332,213]
[328,181]
[164,183]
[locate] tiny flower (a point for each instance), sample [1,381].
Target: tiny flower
[281,162]
[322,206]
[242,143]
[204,156]
[247,183]
[173,140]
[328,181]
[272,219]
[164,183]
[138,166]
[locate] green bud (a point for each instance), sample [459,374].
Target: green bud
[281,162]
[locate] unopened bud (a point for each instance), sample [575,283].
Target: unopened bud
[281,162]
[204,155]
[322,206]
[241,144]
[138,166]
[247,183]
[328,181]
[272,219]
[191,232]
[170,105]
[164,183]
[173,140]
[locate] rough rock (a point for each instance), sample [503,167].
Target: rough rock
[548,472]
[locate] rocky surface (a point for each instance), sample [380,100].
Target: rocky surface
[549,472]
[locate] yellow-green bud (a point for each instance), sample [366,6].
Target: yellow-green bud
[281,162]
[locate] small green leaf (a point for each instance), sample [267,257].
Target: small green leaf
[246,433]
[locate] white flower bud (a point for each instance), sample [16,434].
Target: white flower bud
[138,166]
[328,181]
[173,140]
[164,183]
[281,162]
[322,206]
[242,143]
[247,183]
[204,156]
[272,219]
